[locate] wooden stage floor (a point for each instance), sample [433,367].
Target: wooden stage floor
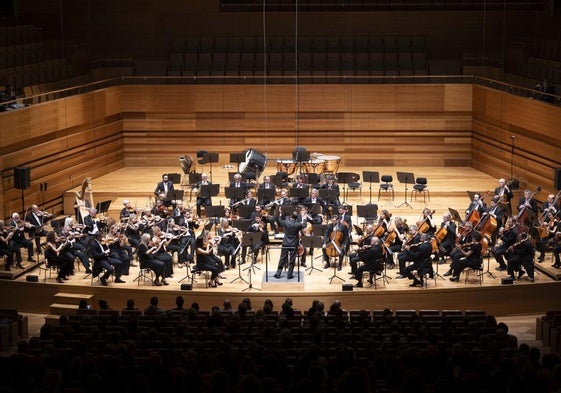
[448,188]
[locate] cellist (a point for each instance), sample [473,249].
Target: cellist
[335,241]
[426,224]
[446,243]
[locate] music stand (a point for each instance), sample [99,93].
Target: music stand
[209,190]
[103,207]
[287,210]
[328,195]
[213,212]
[312,242]
[249,240]
[455,215]
[245,211]
[313,208]
[406,178]
[237,158]
[368,212]
[266,194]
[345,178]
[234,193]
[175,195]
[175,178]
[312,179]
[300,193]
[370,177]
[209,158]
[194,179]
[319,229]
[299,155]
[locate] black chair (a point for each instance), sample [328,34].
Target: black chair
[387,186]
[420,186]
[478,271]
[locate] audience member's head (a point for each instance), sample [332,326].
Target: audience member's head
[179,302]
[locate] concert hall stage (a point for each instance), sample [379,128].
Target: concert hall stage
[447,187]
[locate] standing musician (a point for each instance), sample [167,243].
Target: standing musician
[292,227]
[370,254]
[330,184]
[229,243]
[37,219]
[203,201]
[19,240]
[56,254]
[163,187]
[266,185]
[420,256]
[477,204]
[507,236]
[414,237]
[5,249]
[503,195]
[358,256]
[521,255]
[446,244]
[336,228]
[238,183]
[469,256]
[146,258]
[102,260]
[206,260]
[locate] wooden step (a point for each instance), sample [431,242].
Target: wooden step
[62,308]
[51,319]
[72,298]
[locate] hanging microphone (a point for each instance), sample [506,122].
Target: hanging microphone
[512,137]
[41,187]
[45,186]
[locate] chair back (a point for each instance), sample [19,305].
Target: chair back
[421,180]
[387,178]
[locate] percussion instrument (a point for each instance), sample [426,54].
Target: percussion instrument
[313,166]
[287,166]
[254,160]
[330,163]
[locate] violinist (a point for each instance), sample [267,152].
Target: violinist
[507,237]
[521,255]
[503,196]
[92,224]
[258,225]
[147,261]
[76,247]
[477,204]
[292,227]
[19,240]
[420,256]
[203,200]
[161,240]
[126,211]
[188,240]
[120,249]
[468,257]
[371,256]
[57,255]
[5,249]
[37,219]
[102,261]
[406,254]
[357,256]
[447,244]
[206,260]
[161,210]
[229,244]
[337,236]
[265,218]
[464,238]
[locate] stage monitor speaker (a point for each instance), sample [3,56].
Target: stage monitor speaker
[32,278]
[347,287]
[186,287]
[22,177]
[557,179]
[507,281]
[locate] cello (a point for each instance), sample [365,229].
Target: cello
[424,224]
[334,247]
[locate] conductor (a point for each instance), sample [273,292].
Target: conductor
[292,226]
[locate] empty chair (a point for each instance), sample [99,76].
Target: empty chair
[387,185]
[420,186]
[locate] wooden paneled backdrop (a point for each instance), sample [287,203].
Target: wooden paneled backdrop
[442,125]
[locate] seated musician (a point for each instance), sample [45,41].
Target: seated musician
[249,200]
[206,260]
[126,211]
[120,249]
[555,243]
[528,202]
[507,237]
[238,183]
[258,225]
[503,196]
[549,217]
[362,243]
[19,239]
[56,254]
[394,239]
[160,209]
[163,187]
[477,204]
[5,249]
[300,184]
[371,254]
[146,249]
[229,243]
[419,254]
[162,240]
[335,228]
[92,223]
[330,184]
[447,244]
[469,256]
[427,224]
[37,219]
[464,237]
[188,240]
[103,261]
[77,247]
[313,200]
[405,254]
[203,200]
[266,185]
[265,218]
[519,256]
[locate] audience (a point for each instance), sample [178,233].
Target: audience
[246,351]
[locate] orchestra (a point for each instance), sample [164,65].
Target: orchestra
[167,232]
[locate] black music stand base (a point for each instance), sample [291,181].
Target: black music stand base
[312,267]
[334,276]
[488,263]
[239,276]
[404,177]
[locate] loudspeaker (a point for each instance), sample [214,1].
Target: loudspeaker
[557,179]
[32,278]
[507,281]
[186,287]
[347,287]
[22,177]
